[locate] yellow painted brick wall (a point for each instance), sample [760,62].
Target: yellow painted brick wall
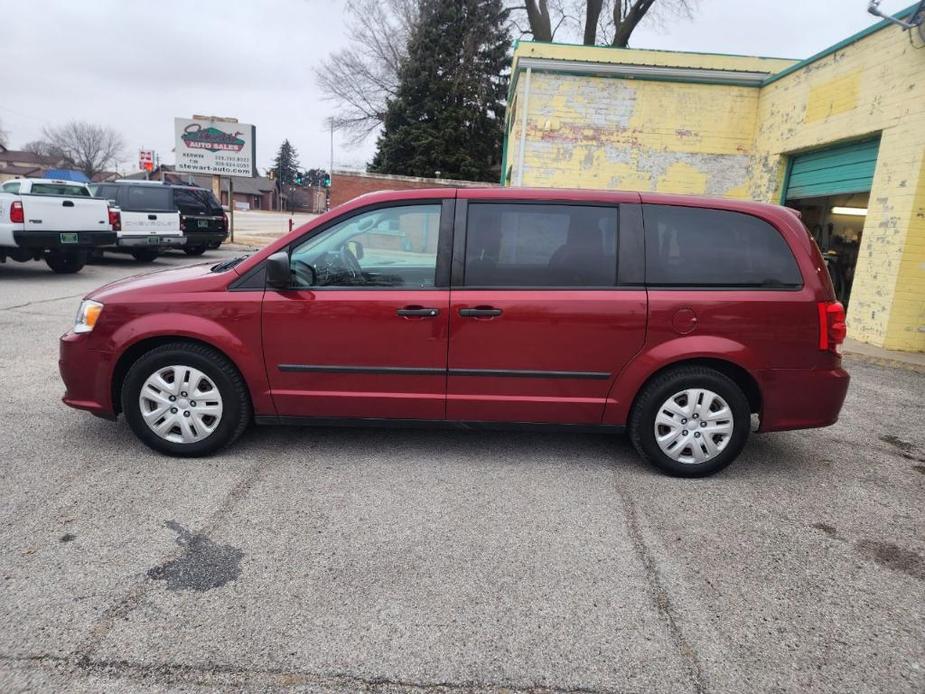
[870,86]
[604,132]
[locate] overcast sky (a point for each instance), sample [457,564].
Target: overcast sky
[136,65]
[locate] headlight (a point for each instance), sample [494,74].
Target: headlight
[87,315]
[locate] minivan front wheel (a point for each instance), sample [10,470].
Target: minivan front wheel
[185,400]
[690,421]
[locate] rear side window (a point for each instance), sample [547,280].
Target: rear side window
[70,191]
[538,245]
[196,202]
[11,187]
[694,247]
[147,198]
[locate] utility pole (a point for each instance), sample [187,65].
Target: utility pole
[327,195]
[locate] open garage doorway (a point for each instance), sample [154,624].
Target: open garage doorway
[836,223]
[831,188]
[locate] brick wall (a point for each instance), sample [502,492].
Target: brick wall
[346,185]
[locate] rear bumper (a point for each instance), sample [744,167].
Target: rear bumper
[205,238]
[42,240]
[146,241]
[801,398]
[86,375]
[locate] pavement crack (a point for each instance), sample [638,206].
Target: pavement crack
[41,301]
[661,598]
[234,676]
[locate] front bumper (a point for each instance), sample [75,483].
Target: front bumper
[86,373]
[147,242]
[63,240]
[801,398]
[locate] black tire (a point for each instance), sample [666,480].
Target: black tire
[145,255]
[66,262]
[642,418]
[194,250]
[236,402]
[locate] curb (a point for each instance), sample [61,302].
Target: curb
[885,361]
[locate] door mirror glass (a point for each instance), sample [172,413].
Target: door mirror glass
[278,270]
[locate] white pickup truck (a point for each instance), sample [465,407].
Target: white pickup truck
[150,220]
[56,220]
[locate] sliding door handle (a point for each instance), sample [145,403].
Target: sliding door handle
[418,312]
[480,312]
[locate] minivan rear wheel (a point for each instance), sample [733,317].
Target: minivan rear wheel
[690,421]
[185,399]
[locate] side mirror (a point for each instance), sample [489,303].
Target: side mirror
[278,275]
[356,248]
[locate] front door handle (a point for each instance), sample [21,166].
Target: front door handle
[67,203]
[480,312]
[418,312]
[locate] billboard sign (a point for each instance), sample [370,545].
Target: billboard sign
[221,147]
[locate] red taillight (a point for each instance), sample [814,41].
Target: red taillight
[224,222]
[832,328]
[182,223]
[115,219]
[16,213]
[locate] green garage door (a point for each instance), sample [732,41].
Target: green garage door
[847,168]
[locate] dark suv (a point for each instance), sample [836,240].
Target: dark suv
[680,319]
[202,219]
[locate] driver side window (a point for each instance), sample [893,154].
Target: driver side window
[387,247]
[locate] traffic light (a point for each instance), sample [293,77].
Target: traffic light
[298,179]
[327,180]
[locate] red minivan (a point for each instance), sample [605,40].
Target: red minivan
[687,321]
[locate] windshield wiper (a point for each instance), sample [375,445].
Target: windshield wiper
[228,264]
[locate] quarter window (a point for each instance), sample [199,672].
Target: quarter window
[536,245]
[388,247]
[694,247]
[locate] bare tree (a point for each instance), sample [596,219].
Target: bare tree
[43,149]
[361,78]
[608,22]
[89,147]
[4,135]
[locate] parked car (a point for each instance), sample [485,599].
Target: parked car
[150,219]
[202,219]
[58,221]
[678,318]
[184,216]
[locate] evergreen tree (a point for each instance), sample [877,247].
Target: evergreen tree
[286,164]
[447,117]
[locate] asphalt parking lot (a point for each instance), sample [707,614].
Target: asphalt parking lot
[391,561]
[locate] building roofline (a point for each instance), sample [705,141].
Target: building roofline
[518,42]
[854,38]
